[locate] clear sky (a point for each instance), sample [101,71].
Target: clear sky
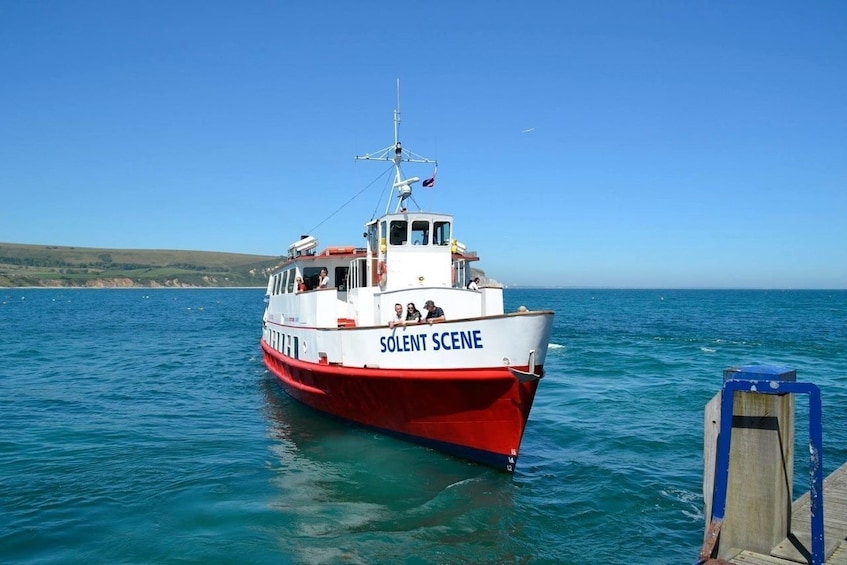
[662,144]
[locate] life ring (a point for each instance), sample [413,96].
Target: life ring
[382,270]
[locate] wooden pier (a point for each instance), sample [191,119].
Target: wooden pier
[749,475]
[795,548]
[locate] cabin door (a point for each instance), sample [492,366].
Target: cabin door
[357,273]
[460,274]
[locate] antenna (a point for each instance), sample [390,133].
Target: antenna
[396,153]
[397,116]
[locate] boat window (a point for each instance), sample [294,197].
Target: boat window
[373,238]
[383,229]
[399,232]
[441,233]
[290,284]
[312,277]
[420,232]
[341,277]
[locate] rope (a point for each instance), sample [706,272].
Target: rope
[325,220]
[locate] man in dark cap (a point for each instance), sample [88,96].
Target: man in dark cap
[433,313]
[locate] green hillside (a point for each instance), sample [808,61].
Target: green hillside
[57,266]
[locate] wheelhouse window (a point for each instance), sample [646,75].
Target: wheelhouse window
[441,233]
[398,232]
[420,232]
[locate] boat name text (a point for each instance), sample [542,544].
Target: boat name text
[437,341]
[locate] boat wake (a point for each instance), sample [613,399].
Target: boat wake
[462,482]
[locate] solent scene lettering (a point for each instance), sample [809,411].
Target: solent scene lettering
[438,341]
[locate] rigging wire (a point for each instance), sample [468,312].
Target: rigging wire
[325,220]
[381,194]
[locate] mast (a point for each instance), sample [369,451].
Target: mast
[397,116]
[397,154]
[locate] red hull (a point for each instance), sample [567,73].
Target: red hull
[477,414]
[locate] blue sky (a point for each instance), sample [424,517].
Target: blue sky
[677,144]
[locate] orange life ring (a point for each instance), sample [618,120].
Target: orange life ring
[382,270]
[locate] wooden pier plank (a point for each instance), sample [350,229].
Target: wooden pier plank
[835,519]
[835,528]
[752,558]
[840,555]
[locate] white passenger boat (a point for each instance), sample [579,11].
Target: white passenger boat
[463,385]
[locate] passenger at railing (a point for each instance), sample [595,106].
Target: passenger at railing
[324,280]
[399,319]
[301,286]
[413,315]
[433,313]
[473,284]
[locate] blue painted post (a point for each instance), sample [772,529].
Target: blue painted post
[764,380]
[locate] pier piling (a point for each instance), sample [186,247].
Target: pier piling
[749,470]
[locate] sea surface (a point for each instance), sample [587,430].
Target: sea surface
[140,426]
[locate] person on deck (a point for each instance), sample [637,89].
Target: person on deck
[412,313]
[301,286]
[473,284]
[324,280]
[398,319]
[433,313]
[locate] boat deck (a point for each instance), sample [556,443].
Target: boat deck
[795,548]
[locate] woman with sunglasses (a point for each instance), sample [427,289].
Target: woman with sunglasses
[412,313]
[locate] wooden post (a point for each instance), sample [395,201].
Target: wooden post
[761,464]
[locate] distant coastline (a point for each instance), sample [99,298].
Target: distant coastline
[52,266]
[134,287]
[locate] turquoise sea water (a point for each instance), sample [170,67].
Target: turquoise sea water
[140,426]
